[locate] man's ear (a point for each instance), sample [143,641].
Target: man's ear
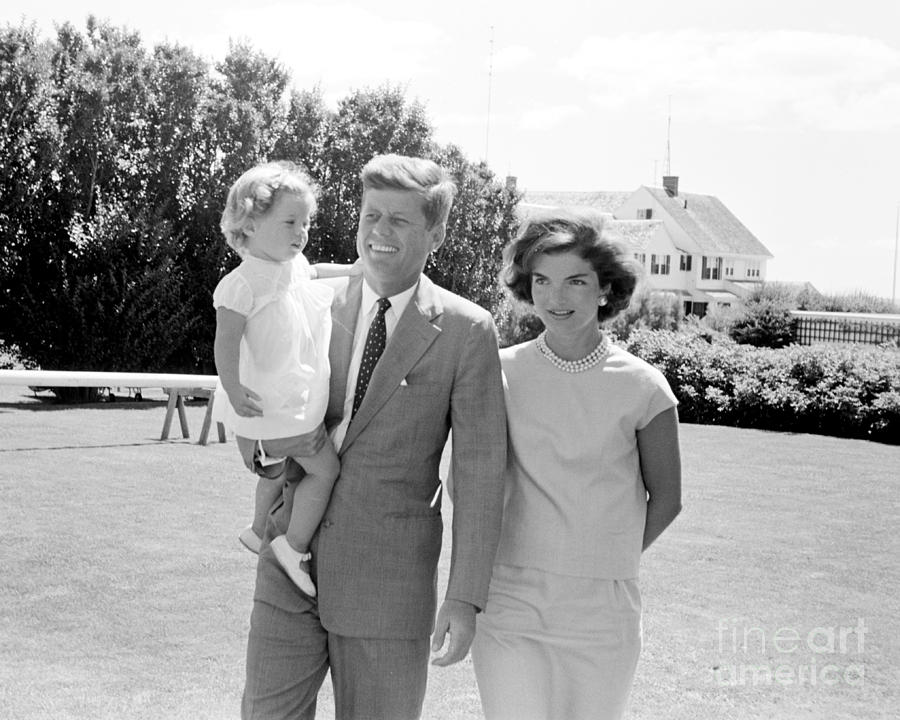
[438,235]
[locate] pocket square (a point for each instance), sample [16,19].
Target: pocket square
[403,383]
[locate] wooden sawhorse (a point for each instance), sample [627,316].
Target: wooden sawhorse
[176,402]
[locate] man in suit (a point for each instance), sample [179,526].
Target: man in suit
[375,555]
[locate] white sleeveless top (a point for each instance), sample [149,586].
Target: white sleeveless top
[575,501]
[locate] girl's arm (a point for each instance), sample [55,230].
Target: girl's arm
[229,331]
[330,270]
[661,470]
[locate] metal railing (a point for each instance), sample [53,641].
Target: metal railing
[811,328]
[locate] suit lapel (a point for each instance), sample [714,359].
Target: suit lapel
[413,335]
[344,314]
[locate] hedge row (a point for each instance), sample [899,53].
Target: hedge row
[844,390]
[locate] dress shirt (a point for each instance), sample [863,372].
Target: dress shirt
[367,309]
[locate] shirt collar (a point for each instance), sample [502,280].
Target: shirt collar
[398,301]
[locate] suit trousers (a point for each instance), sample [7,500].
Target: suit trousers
[289,654]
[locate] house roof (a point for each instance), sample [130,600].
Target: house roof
[636,233]
[605,202]
[710,224]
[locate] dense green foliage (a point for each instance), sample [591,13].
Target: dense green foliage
[648,310]
[804,297]
[842,390]
[114,166]
[763,323]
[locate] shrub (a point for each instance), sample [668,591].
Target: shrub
[516,321]
[858,302]
[649,309]
[846,391]
[763,323]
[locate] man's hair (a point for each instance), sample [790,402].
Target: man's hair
[428,179]
[560,230]
[254,193]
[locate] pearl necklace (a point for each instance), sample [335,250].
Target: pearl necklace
[592,359]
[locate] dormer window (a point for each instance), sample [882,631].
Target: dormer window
[645,214]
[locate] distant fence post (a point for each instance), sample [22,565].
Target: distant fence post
[811,328]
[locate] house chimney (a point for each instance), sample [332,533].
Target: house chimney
[511,182]
[670,185]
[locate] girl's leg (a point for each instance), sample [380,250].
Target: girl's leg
[268,485]
[312,495]
[310,500]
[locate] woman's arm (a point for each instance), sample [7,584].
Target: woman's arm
[661,470]
[227,348]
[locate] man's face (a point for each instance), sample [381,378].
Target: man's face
[392,240]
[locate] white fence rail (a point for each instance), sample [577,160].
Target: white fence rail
[175,386]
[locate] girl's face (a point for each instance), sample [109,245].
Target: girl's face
[282,232]
[566,290]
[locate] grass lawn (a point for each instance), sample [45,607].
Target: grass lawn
[125,593]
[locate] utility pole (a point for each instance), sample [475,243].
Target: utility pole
[896,238]
[669,139]
[487,133]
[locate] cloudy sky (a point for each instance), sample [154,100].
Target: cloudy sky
[786,110]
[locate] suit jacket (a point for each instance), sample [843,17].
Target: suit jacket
[376,551]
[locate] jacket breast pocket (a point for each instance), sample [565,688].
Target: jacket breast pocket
[419,390]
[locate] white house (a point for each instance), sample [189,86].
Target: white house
[689,244]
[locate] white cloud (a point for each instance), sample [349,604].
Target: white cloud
[544,118]
[340,44]
[771,79]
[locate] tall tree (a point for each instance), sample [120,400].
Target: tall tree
[29,145]
[482,222]
[367,123]
[114,167]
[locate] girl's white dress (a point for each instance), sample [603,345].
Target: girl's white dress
[284,351]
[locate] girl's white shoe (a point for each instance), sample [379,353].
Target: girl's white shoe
[290,560]
[250,539]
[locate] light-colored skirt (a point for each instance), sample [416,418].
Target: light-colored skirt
[554,647]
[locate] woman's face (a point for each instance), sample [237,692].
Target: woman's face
[565,290]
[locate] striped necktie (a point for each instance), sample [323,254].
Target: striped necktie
[375,342]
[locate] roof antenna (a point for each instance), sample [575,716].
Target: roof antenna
[669,139]
[487,133]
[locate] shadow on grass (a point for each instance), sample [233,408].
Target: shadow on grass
[43,404]
[83,446]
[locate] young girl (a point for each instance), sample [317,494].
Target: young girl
[273,327]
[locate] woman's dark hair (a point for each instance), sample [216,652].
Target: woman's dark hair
[560,230]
